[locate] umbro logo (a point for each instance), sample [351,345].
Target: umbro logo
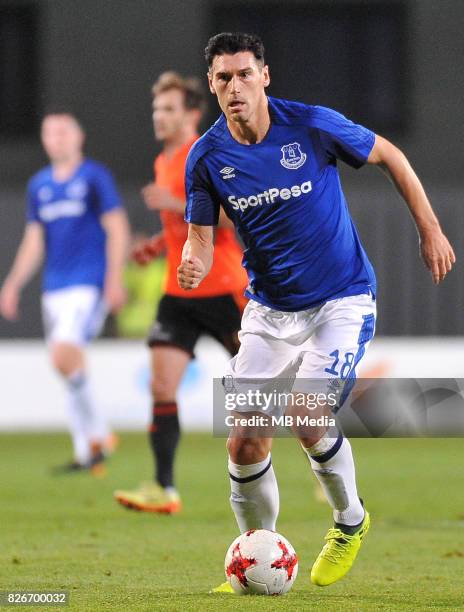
[228,172]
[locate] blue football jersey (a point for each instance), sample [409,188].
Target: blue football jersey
[69,212]
[286,201]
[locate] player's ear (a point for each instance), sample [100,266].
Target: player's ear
[266,76]
[210,82]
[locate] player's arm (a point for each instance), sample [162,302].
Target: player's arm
[160,198]
[202,215]
[197,256]
[149,248]
[436,251]
[116,227]
[28,259]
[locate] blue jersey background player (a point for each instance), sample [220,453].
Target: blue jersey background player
[76,222]
[272,165]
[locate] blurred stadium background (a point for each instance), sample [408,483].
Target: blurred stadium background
[393,66]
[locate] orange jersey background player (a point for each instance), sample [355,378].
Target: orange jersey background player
[227,275]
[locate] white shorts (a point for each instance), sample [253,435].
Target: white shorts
[73,315]
[323,344]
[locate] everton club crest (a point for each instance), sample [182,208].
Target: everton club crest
[292,156]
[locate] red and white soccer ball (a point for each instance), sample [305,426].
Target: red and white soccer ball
[261,562]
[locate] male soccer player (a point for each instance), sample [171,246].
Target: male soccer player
[75,218]
[311,286]
[213,309]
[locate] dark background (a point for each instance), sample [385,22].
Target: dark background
[394,66]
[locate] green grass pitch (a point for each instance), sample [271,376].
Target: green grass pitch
[67,532]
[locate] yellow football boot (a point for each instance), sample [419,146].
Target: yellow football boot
[338,555]
[150,497]
[223,588]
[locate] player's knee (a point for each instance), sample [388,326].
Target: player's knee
[66,359]
[245,451]
[162,389]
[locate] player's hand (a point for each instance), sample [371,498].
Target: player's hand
[437,253]
[190,273]
[159,198]
[148,250]
[115,294]
[9,301]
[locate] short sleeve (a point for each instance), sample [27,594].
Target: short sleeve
[32,210]
[107,193]
[343,139]
[202,207]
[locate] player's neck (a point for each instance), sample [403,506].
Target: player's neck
[171,146]
[63,169]
[255,129]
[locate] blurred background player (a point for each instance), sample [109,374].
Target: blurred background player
[214,309]
[76,223]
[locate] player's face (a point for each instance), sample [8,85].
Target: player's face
[169,114]
[238,81]
[62,137]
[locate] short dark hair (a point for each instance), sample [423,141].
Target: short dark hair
[229,43]
[194,97]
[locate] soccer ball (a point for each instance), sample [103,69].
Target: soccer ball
[261,562]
